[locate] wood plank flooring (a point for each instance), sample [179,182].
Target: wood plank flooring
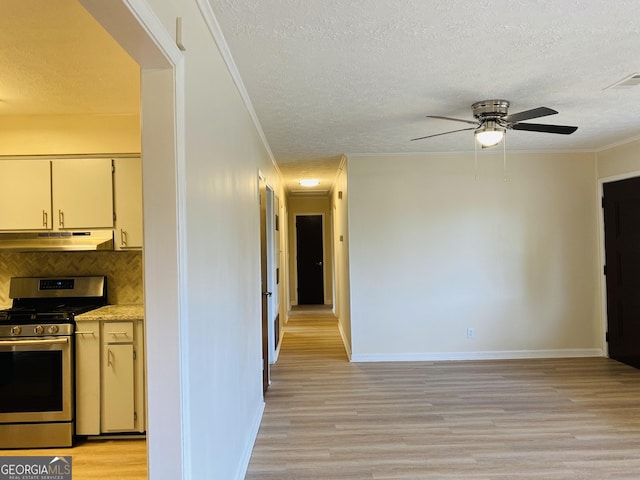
[325,418]
[99,459]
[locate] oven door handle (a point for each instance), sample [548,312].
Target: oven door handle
[17,343]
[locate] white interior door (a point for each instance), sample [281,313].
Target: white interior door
[272,299]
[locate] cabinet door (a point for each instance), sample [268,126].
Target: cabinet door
[87,378]
[127,199]
[25,195]
[118,397]
[82,193]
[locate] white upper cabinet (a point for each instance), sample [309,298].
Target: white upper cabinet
[82,193]
[127,185]
[25,195]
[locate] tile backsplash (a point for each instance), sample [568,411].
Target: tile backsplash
[123,271]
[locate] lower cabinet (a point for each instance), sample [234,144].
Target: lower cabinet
[88,378]
[109,377]
[118,379]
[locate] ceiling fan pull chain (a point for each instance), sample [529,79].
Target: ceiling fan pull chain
[475,149]
[504,159]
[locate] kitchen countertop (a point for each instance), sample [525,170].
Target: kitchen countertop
[114,312]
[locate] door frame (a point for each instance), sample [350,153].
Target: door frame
[265,292]
[135,27]
[271,266]
[295,255]
[603,279]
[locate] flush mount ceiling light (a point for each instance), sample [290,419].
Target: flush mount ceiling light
[489,134]
[309,182]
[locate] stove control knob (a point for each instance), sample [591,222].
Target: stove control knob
[53,329]
[16,330]
[38,330]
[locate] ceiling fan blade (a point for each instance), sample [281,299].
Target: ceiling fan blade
[445,133]
[529,114]
[453,119]
[539,127]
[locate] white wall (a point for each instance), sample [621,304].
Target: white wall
[340,208]
[434,251]
[223,156]
[619,160]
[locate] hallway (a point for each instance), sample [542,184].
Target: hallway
[329,419]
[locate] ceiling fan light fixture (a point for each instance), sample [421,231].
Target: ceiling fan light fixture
[489,134]
[489,138]
[492,120]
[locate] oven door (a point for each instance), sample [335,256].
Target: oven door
[35,380]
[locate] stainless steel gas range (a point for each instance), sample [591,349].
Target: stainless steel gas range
[37,358]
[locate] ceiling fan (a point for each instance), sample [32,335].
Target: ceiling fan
[493,120]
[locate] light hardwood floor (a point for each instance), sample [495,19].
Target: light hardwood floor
[325,418]
[98,459]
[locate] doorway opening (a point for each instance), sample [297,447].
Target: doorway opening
[269,279]
[138,31]
[621,204]
[310,259]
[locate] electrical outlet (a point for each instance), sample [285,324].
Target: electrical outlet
[471,333]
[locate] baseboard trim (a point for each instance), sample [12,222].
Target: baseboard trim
[494,355]
[253,435]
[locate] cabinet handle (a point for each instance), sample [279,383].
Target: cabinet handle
[123,237]
[44,218]
[39,341]
[115,334]
[109,355]
[86,333]
[61,218]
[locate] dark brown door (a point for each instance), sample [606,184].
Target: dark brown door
[622,246]
[310,259]
[264,286]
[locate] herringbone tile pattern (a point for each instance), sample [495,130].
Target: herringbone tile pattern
[123,271]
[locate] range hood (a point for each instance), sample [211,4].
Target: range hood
[65,241]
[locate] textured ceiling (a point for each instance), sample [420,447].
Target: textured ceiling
[57,60]
[328,77]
